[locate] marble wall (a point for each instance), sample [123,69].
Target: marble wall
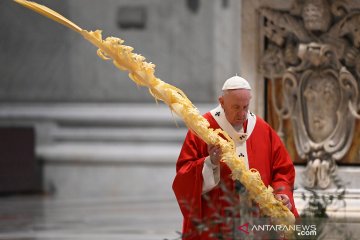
[92,123]
[42,61]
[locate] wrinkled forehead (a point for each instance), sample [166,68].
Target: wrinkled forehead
[237,96]
[242,93]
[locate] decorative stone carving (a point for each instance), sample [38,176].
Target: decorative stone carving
[314,50]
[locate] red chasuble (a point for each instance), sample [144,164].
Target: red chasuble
[266,153]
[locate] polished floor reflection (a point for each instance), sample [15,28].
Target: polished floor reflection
[34,217]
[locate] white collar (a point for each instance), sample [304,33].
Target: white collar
[238,137]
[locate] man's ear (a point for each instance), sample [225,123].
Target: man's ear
[221,101]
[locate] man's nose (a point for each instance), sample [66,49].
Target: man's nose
[243,113]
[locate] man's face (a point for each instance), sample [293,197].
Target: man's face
[236,105]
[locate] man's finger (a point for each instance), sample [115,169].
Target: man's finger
[284,199]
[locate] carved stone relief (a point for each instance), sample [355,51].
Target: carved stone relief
[313,49]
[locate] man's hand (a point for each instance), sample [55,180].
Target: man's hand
[284,199]
[215,154]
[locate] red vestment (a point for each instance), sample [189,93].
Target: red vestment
[266,153]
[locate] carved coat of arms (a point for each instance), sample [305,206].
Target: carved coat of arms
[314,50]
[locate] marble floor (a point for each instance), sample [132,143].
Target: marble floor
[156,218]
[34,217]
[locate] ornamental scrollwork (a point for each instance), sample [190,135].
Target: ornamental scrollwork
[314,50]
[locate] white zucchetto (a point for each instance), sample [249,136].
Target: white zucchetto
[236,82]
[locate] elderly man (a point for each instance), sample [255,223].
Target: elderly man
[200,170]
